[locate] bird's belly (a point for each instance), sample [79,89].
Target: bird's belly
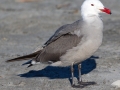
[80,52]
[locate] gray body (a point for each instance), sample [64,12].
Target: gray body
[72,43]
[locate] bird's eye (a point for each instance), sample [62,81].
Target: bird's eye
[92,4]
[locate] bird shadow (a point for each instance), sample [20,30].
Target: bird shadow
[62,72]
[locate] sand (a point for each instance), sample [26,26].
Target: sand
[25,26]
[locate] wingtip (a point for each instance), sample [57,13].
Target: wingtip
[8,61]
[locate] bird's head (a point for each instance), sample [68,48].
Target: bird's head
[93,7]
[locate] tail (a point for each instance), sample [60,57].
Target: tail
[26,57]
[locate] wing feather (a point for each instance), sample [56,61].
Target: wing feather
[65,29]
[57,48]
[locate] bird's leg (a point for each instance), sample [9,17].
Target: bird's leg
[72,74]
[79,71]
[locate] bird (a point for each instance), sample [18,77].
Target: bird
[73,43]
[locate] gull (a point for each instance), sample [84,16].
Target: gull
[73,43]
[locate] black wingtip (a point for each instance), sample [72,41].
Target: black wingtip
[8,61]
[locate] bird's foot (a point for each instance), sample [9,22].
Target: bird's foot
[83,84]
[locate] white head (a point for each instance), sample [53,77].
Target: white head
[93,8]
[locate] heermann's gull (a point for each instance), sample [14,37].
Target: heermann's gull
[73,43]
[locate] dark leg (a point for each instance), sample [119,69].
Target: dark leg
[79,71]
[72,74]
[83,84]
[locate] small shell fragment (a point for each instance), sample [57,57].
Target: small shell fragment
[116,84]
